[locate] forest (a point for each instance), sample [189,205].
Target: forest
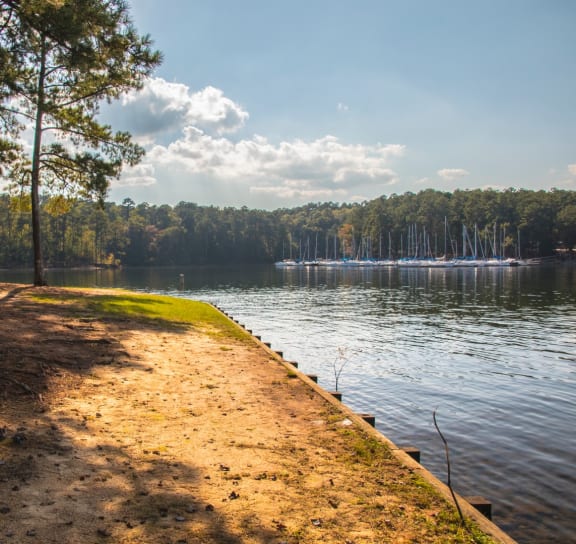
[82,233]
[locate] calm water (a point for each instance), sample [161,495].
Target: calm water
[493,351]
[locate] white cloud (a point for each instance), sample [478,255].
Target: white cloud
[136,176]
[323,167]
[162,106]
[572,169]
[210,109]
[451,174]
[342,107]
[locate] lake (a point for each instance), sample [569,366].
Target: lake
[492,351]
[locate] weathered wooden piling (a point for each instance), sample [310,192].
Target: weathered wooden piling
[412,452]
[336,394]
[481,504]
[369,418]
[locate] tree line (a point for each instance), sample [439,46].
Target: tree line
[78,232]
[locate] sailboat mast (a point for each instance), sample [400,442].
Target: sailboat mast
[445,237]
[475,241]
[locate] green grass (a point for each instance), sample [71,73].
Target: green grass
[158,308]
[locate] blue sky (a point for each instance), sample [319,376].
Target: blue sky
[271,104]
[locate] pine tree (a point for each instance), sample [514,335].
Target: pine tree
[61,59]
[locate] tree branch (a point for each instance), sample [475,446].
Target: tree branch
[18,112]
[449,484]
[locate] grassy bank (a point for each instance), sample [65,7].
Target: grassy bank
[170,311]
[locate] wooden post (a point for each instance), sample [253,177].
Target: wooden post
[481,504]
[369,418]
[336,394]
[412,452]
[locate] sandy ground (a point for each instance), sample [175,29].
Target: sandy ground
[122,431]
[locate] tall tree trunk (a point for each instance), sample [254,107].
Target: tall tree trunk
[39,278]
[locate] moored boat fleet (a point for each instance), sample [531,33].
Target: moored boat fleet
[404,262]
[474,252]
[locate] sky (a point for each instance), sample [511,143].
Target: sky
[274,104]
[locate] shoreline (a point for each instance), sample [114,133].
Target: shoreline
[197,432]
[403,457]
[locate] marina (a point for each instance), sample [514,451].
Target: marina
[406,262]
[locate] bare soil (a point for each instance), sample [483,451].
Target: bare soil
[119,430]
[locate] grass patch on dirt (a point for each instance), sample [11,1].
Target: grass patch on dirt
[125,304]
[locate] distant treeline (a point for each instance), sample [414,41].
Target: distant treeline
[75,233]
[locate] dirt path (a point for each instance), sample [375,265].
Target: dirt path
[168,435]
